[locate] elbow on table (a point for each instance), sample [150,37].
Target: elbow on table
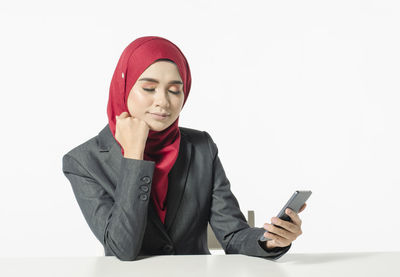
[120,253]
[125,255]
[127,258]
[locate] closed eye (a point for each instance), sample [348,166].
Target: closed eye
[152,89]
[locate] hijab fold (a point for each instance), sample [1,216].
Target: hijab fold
[161,147]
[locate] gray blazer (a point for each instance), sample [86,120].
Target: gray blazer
[113,193]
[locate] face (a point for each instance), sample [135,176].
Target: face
[157,96]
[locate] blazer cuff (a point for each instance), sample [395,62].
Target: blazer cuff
[273,253]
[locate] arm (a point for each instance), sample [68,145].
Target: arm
[118,223]
[227,221]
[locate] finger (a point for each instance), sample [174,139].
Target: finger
[280,232]
[285,224]
[276,240]
[293,216]
[302,207]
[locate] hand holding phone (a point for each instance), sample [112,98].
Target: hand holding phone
[295,202]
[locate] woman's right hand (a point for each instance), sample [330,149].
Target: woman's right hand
[132,134]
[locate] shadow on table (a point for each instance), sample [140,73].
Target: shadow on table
[138,258]
[320,258]
[112,266]
[179,265]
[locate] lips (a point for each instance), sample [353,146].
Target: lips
[161,114]
[157,116]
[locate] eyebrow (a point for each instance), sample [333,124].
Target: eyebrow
[156,81]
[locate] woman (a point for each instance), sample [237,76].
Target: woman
[148,187]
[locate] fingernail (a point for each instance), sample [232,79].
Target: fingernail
[289,211]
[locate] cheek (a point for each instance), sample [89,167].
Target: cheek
[138,103]
[178,103]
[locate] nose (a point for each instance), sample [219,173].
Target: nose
[161,98]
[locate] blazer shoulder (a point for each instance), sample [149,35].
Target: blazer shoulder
[83,150]
[200,139]
[193,135]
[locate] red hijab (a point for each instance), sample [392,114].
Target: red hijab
[161,147]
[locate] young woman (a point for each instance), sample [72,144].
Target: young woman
[149,187]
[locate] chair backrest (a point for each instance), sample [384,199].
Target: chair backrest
[212,241]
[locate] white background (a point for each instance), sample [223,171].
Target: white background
[296,95]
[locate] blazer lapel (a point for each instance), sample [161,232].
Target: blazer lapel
[177,180]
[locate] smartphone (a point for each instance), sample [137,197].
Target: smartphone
[295,202]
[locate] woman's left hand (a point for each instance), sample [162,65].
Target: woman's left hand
[282,232]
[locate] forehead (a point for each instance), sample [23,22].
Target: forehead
[162,70]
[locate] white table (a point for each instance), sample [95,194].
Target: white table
[385,264]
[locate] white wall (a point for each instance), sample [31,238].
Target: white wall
[296,94]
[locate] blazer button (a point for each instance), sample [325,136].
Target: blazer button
[167,249]
[146,179]
[143,197]
[144,188]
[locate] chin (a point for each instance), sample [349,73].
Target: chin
[158,127]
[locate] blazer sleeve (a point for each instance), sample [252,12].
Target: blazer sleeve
[228,222]
[118,222]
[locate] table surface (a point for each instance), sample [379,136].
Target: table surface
[382,264]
